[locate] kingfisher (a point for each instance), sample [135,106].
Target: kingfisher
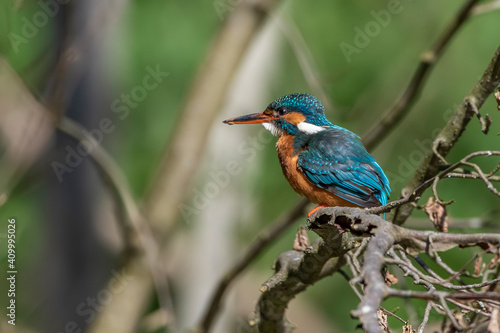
[324,162]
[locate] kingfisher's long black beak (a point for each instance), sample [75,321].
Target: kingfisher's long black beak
[254,118]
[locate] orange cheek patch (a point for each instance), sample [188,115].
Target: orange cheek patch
[294,118]
[269,113]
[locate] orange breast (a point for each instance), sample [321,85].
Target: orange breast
[299,182]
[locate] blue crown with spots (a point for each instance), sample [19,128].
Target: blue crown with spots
[298,102]
[306,104]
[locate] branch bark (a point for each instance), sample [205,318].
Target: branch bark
[295,271]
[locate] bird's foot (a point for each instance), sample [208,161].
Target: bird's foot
[315,209]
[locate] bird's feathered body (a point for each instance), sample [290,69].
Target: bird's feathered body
[331,167]
[289,158]
[322,161]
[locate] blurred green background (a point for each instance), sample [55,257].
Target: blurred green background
[176,36]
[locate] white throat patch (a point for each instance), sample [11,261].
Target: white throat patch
[273,129]
[309,128]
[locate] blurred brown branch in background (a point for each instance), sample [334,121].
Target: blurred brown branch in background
[183,152]
[20,110]
[303,55]
[138,238]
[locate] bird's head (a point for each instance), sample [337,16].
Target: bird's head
[291,114]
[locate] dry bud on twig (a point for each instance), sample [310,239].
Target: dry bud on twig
[437,214]
[477,266]
[382,320]
[301,240]
[390,279]
[495,260]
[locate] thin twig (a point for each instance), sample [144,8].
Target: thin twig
[463,269]
[427,312]
[469,308]
[495,170]
[419,277]
[392,314]
[448,312]
[485,122]
[471,176]
[489,185]
[446,295]
[415,195]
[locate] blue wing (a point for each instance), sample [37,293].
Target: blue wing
[337,161]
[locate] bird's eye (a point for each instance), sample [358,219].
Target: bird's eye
[282,111]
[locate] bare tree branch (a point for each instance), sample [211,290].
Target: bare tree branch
[485,121]
[384,236]
[451,133]
[294,271]
[486,7]
[137,234]
[427,62]
[19,149]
